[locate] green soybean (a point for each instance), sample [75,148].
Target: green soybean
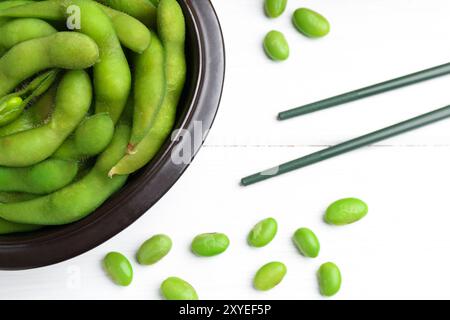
[20,30]
[269,276]
[111,93]
[172,31]
[276,46]
[42,178]
[80,198]
[66,50]
[7,227]
[263,233]
[307,242]
[32,146]
[274,8]
[346,211]
[210,244]
[154,249]
[12,105]
[91,137]
[10,109]
[311,23]
[46,10]
[330,279]
[34,116]
[10,4]
[118,268]
[149,89]
[174,288]
[143,10]
[10,197]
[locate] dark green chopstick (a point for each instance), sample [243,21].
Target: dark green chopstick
[350,145]
[367,91]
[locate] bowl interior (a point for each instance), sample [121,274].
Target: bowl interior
[186,106]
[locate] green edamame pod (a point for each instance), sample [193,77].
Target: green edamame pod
[12,105]
[20,30]
[111,92]
[34,9]
[149,89]
[91,137]
[10,197]
[32,146]
[42,178]
[34,116]
[172,30]
[79,199]
[132,33]
[10,4]
[142,10]
[7,227]
[66,50]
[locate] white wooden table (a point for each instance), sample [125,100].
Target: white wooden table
[400,250]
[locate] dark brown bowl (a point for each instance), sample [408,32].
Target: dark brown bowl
[206,70]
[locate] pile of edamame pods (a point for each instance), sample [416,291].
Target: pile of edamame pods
[88,94]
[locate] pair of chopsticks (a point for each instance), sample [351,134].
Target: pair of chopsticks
[364,140]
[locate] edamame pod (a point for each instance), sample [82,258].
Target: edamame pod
[91,137]
[34,116]
[42,178]
[112,75]
[132,33]
[7,227]
[79,199]
[32,146]
[149,89]
[142,10]
[9,197]
[66,50]
[10,4]
[12,105]
[172,30]
[20,30]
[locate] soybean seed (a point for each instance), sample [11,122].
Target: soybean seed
[276,46]
[269,276]
[346,211]
[263,233]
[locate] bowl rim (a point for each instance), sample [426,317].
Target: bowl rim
[137,197]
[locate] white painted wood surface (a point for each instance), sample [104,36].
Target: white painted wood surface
[400,250]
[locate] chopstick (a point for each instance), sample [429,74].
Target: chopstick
[367,91]
[350,145]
